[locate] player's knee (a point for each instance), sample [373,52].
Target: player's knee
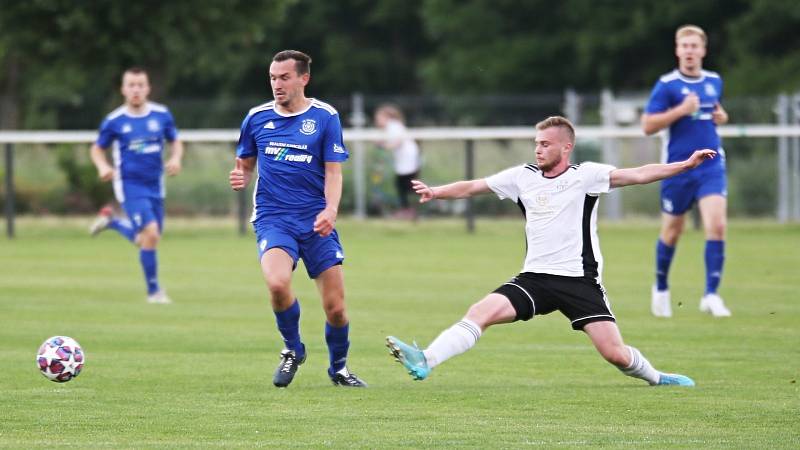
[481,313]
[716,230]
[617,355]
[671,233]
[336,314]
[279,285]
[148,238]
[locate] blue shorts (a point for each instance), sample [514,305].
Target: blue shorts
[680,192]
[143,210]
[318,253]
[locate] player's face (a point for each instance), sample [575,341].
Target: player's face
[135,88]
[287,84]
[552,148]
[690,51]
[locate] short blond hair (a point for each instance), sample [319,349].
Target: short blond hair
[558,122]
[689,30]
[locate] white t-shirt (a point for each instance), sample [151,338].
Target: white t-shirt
[561,216]
[405,149]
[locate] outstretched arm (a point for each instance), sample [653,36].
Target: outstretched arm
[654,172]
[459,189]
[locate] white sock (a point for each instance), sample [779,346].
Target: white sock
[640,367]
[453,341]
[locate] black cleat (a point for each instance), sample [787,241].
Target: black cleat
[349,380]
[284,374]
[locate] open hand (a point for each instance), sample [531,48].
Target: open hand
[426,193]
[699,156]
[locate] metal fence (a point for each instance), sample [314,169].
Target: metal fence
[456,152]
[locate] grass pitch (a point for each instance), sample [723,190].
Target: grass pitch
[198,373]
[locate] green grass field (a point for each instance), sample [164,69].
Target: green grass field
[198,373]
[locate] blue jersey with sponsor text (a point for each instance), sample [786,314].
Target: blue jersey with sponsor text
[291,153]
[137,143]
[689,133]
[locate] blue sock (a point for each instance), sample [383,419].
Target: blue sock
[289,327]
[336,338]
[150,268]
[715,258]
[664,255]
[123,227]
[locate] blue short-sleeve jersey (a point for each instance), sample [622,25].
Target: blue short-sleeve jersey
[291,153]
[694,132]
[137,143]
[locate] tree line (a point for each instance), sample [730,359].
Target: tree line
[58,57]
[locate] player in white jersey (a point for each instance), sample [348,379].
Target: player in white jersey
[563,264]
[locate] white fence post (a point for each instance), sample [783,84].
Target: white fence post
[782,111]
[358,119]
[611,156]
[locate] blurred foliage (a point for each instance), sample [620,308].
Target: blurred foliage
[61,60]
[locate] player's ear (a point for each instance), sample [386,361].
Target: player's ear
[305,78]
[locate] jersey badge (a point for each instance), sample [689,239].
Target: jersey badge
[685,90]
[262,245]
[338,148]
[127,128]
[152,125]
[710,91]
[308,127]
[270,125]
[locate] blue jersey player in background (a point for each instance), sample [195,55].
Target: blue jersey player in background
[687,102]
[295,143]
[136,132]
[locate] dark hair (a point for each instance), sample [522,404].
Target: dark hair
[302,61]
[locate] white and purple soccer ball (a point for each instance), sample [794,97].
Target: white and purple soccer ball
[60,359]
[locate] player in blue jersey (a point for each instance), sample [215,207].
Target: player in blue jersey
[136,132]
[687,102]
[296,145]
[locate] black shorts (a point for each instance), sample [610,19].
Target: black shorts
[581,299]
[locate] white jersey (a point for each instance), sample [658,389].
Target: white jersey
[561,216]
[404,149]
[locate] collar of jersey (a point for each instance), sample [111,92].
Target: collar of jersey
[147,110]
[310,103]
[688,79]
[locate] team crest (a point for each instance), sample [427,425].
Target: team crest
[127,128]
[152,125]
[308,127]
[710,91]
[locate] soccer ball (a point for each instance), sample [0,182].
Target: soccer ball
[60,359]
